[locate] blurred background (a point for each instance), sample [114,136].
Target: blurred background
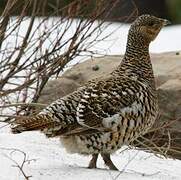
[170,9]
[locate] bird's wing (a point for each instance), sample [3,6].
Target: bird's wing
[59,118]
[105,101]
[85,111]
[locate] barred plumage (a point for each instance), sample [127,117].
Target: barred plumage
[106,113]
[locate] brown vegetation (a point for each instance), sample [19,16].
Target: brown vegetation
[27,63]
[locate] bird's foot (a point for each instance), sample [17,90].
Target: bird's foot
[108,162]
[93,161]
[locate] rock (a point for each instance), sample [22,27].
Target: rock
[58,88]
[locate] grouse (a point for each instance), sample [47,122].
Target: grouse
[106,113]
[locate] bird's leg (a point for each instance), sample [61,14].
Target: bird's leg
[108,161]
[93,161]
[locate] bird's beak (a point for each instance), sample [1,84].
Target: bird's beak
[165,22]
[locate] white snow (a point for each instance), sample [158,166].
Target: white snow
[50,161]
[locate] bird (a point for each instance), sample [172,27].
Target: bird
[109,112]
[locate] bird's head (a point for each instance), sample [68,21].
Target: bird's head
[146,27]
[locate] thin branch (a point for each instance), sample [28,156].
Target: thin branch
[16,164]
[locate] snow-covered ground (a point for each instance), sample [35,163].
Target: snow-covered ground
[49,160]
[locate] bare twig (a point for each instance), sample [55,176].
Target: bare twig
[40,51]
[16,164]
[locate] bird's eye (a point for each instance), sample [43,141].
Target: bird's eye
[150,23]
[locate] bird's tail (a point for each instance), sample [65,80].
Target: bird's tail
[38,122]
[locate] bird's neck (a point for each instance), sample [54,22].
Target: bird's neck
[137,52]
[136,62]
